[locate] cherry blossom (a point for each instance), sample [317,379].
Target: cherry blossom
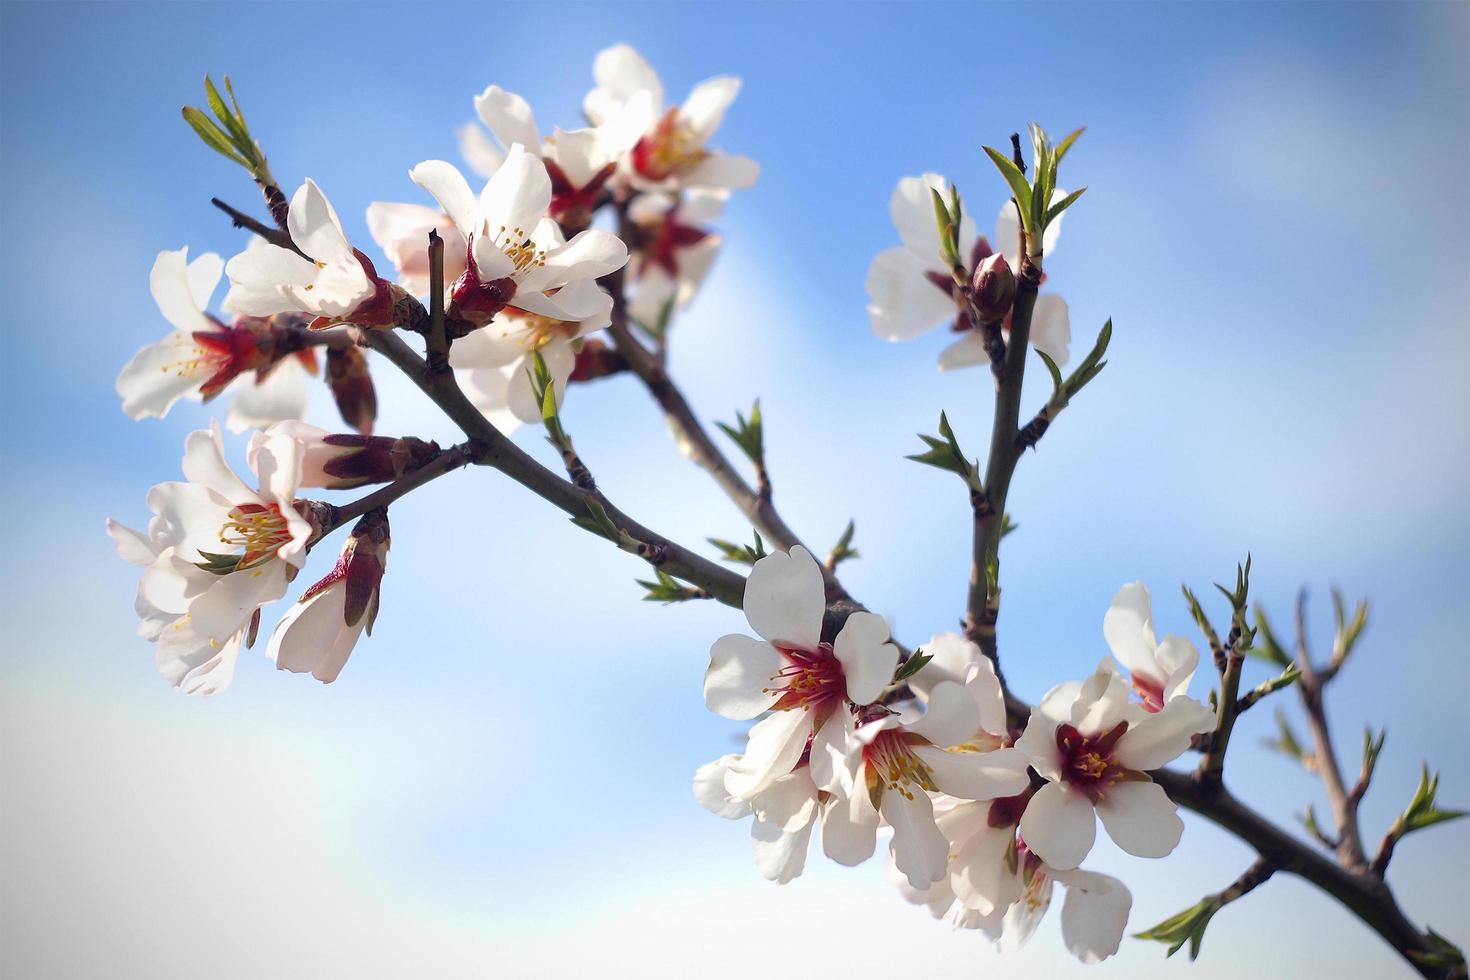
[329,279]
[805,683]
[666,149]
[517,255]
[1160,672]
[1094,749]
[203,358]
[910,291]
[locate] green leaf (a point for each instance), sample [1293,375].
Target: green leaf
[1056,373]
[667,590]
[601,523]
[911,666]
[843,549]
[742,554]
[212,136]
[239,136]
[1185,927]
[1067,141]
[1286,741]
[1269,649]
[1062,205]
[748,434]
[1422,811]
[947,234]
[1020,188]
[1288,677]
[944,453]
[1371,749]
[544,389]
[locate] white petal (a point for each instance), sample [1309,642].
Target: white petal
[1051,328]
[580,153]
[772,750]
[950,658]
[204,464]
[723,170]
[1161,737]
[1022,918]
[780,855]
[258,276]
[589,253]
[789,803]
[509,117]
[738,681]
[984,687]
[1007,235]
[1059,826]
[976,775]
[903,302]
[160,374]
[313,635]
[260,402]
[919,849]
[315,227]
[829,765]
[709,790]
[849,828]
[195,664]
[622,72]
[517,196]
[1038,743]
[785,598]
[968,351]
[1128,627]
[979,875]
[1177,657]
[705,107]
[204,273]
[1094,914]
[483,156]
[170,283]
[447,184]
[868,659]
[131,546]
[1140,818]
[952,716]
[911,209]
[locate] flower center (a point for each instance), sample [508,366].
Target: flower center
[809,679]
[671,148]
[516,244]
[259,529]
[1150,691]
[892,765]
[1087,760]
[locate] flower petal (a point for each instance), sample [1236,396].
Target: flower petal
[1094,914]
[868,659]
[919,849]
[705,107]
[315,227]
[903,302]
[952,717]
[1051,328]
[773,748]
[784,598]
[849,829]
[447,184]
[1059,826]
[737,681]
[780,855]
[478,150]
[517,197]
[1161,737]
[976,775]
[1128,627]
[509,117]
[709,789]
[1139,817]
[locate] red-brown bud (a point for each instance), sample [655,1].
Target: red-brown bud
[596,360]
[352,387]
[342,461]
[993,289]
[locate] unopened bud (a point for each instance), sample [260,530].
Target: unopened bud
[596,360]
[352,387]
[993,289]
[343,460]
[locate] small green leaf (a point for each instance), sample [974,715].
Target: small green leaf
[911,666]
[1020,188]
[1422,811]
[239,136]
[601,522]
[944,453]
[742,554]
[1286,741]
[667,590]
[1067,141]
[212,136]
[1185,927]
[748,434]
[843,549]
[1053,212]
[1269,649]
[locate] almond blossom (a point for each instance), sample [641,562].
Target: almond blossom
[402,232]
[1094,749]
[671,253]
[666,149]
[343,460]
[1160,672]
[203,358]
[785,813]
[516,255]
[578,162]
[328,278]
[805,682]
[910,290]
[320,630]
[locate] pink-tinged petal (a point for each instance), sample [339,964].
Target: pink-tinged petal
[979,876]
[903,302]
[723,170]
[1128,627]
[919,849]
[705,107]
[976,775]
[868,659]
[1094,914]
[789,803]
[1161,737]
[516,198]
[780,855]
[1022,918]
[784,598]
[709,789]
[1139,817]
[475,145]
[968,351]
[1051,328]
[260,402]
[737,682]
[951,718]
[849,829]
[1059,826]
[312,636]
[204,464]
[447,185]
[1177,658]
[774,746]
[509,117]
[160,374]
[402,232]
[315,228]
[171,287]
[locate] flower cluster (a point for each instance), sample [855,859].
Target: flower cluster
[984,816]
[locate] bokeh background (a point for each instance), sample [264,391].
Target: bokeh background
[498,785]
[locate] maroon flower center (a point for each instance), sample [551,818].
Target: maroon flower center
[1150,691]
[670,148]
[1087,762]
[808,679]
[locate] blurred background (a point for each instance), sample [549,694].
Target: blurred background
[498,785]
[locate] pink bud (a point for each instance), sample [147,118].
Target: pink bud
[993,289]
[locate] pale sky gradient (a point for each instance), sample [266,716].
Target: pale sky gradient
[498,785]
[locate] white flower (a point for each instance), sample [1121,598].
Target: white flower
[910,290]
[666,149]
[805,683]
[516,255]
[335,284]
[1094,913]
[320,630]
[785,813]
[493,363]
[222,550]
[958,660]
[202,357]
[402,232]
[673,253]
[578,162]
[1160,672]
[1095,749]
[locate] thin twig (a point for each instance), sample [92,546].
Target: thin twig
[275,236]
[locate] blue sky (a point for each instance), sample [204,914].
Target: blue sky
[499,783]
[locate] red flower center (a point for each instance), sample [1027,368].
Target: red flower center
[1087,760]
[670,148]
[809,679]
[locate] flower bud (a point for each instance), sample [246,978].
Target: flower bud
[993,289]
[319,632]
[341,461]
[596,360]
[352,387]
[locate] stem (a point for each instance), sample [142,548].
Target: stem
[275,236]
[1212,767]
[447,461]
[436,343]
